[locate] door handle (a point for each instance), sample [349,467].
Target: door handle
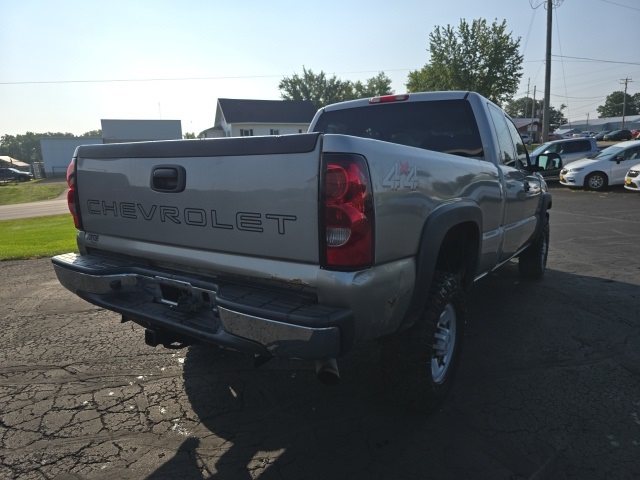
[168,178]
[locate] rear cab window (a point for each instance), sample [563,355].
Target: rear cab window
[447,126]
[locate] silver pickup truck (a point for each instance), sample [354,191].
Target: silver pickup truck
[370,226]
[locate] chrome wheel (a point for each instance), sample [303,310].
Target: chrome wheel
[596,181]
[444,344]
[419,363]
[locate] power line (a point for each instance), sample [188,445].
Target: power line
[620,5]
[596,60]
[180,79]
[124,80]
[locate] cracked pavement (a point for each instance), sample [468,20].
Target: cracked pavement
[548,386]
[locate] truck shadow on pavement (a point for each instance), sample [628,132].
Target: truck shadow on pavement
[544,390]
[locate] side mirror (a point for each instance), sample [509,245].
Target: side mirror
[546,161]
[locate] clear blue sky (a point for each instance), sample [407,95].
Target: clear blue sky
[66,64]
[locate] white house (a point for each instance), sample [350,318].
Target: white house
[244,118]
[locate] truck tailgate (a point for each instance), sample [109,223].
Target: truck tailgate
[255,196]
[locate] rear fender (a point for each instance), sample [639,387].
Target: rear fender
[450,241]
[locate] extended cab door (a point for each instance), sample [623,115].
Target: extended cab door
[521,194]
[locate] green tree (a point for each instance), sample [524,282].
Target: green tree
[189,135]
[92,133]
[375,86]
[475,57]
[26,147]
[613,105]
[521,108]
[524,108]
[556,117]
[322,90]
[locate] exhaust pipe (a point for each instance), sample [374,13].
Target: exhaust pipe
[172,342]
[327,371]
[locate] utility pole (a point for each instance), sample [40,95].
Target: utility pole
[547,76]
[624,98]
[526,107]
[533,112]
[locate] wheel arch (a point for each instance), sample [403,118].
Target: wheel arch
[450,241]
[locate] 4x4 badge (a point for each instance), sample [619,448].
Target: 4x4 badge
[401,175]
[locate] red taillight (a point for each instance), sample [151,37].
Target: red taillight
[347,212]
[72,193]
[389,98]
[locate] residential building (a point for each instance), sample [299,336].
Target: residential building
[242,118]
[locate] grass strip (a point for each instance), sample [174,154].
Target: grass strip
[37,237]
[25,192]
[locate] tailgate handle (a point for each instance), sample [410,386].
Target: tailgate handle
[168,178]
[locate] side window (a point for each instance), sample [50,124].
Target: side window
[632,154]
[507,154]
[576,147]
[521,149]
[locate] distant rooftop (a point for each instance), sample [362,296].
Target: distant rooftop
[265,111]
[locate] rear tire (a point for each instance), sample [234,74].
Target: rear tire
[532,263]
[419,363]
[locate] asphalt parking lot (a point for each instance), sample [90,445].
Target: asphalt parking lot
[548,388]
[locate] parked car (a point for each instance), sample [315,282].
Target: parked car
[554,136]
[632,179]
[635,134]
[14,174]
[606,168]
[584,134]
[526,139]
[568,150]
[600,135]
[618,135]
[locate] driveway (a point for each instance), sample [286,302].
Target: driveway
[43,208]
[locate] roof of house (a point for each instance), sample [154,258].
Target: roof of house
[524,122]
[265,111]
[5,160]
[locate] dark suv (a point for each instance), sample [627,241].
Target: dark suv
[8,174]
[618,135]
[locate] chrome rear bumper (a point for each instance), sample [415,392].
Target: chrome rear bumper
[248,319]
